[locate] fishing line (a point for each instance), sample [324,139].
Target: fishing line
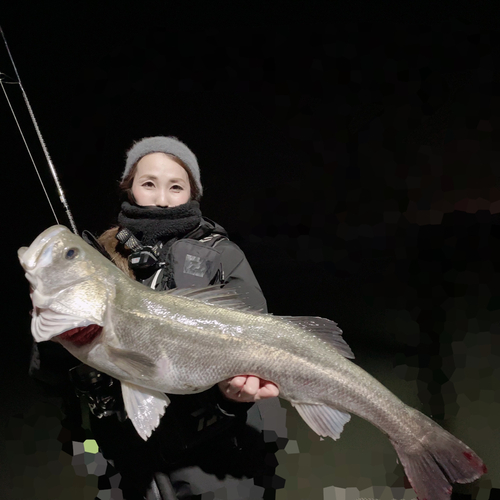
[40,138]
[27,147]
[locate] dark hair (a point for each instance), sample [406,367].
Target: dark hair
[126,185]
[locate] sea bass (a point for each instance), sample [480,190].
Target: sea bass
[186,341]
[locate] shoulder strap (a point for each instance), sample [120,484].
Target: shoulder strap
[208,232]
[213,239]
[126,237]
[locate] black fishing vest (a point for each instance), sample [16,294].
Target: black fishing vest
[194,260]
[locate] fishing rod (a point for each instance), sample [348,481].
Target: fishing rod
[60,191]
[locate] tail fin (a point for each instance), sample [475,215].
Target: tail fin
[439,460]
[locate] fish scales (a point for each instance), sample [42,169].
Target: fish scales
[292,357]
[197,324]
[187,341]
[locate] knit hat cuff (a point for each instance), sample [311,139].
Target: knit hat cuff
[168,145]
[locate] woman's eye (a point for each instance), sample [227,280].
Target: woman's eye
[176,187]
[148,184]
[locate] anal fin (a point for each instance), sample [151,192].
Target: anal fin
[144,407]
[323,420]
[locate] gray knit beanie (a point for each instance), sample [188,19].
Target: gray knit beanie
[161,144]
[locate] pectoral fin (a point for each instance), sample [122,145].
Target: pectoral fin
[322,419]
[144,407]
[137,365]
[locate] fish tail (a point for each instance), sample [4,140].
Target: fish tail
[436,461]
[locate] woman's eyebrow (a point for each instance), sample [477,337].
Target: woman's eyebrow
[148,176]
[153,177]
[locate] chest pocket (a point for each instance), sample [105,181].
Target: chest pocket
[194,263]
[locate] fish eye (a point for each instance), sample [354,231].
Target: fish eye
[71,253]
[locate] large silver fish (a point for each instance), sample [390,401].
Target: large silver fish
[185,341]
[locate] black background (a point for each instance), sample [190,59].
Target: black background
[350,148]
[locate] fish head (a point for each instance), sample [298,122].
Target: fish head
[69,286]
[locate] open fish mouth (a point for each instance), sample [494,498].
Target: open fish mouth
[39,253]
[47,324]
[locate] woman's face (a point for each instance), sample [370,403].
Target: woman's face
[160,181]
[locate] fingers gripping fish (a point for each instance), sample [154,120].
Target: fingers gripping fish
[186,341]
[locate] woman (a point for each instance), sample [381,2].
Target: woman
[163,241]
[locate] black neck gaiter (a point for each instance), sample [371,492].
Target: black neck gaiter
[153,224]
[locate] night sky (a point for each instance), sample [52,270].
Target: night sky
[350,148]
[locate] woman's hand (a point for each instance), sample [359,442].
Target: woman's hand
[248,389]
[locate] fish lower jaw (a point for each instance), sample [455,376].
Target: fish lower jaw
[33,280]
[39,300]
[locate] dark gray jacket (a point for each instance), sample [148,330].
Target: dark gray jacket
[207,257]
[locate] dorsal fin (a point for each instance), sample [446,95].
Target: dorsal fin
[325,329]
[215,295]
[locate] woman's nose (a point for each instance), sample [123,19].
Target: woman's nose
[162,199]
